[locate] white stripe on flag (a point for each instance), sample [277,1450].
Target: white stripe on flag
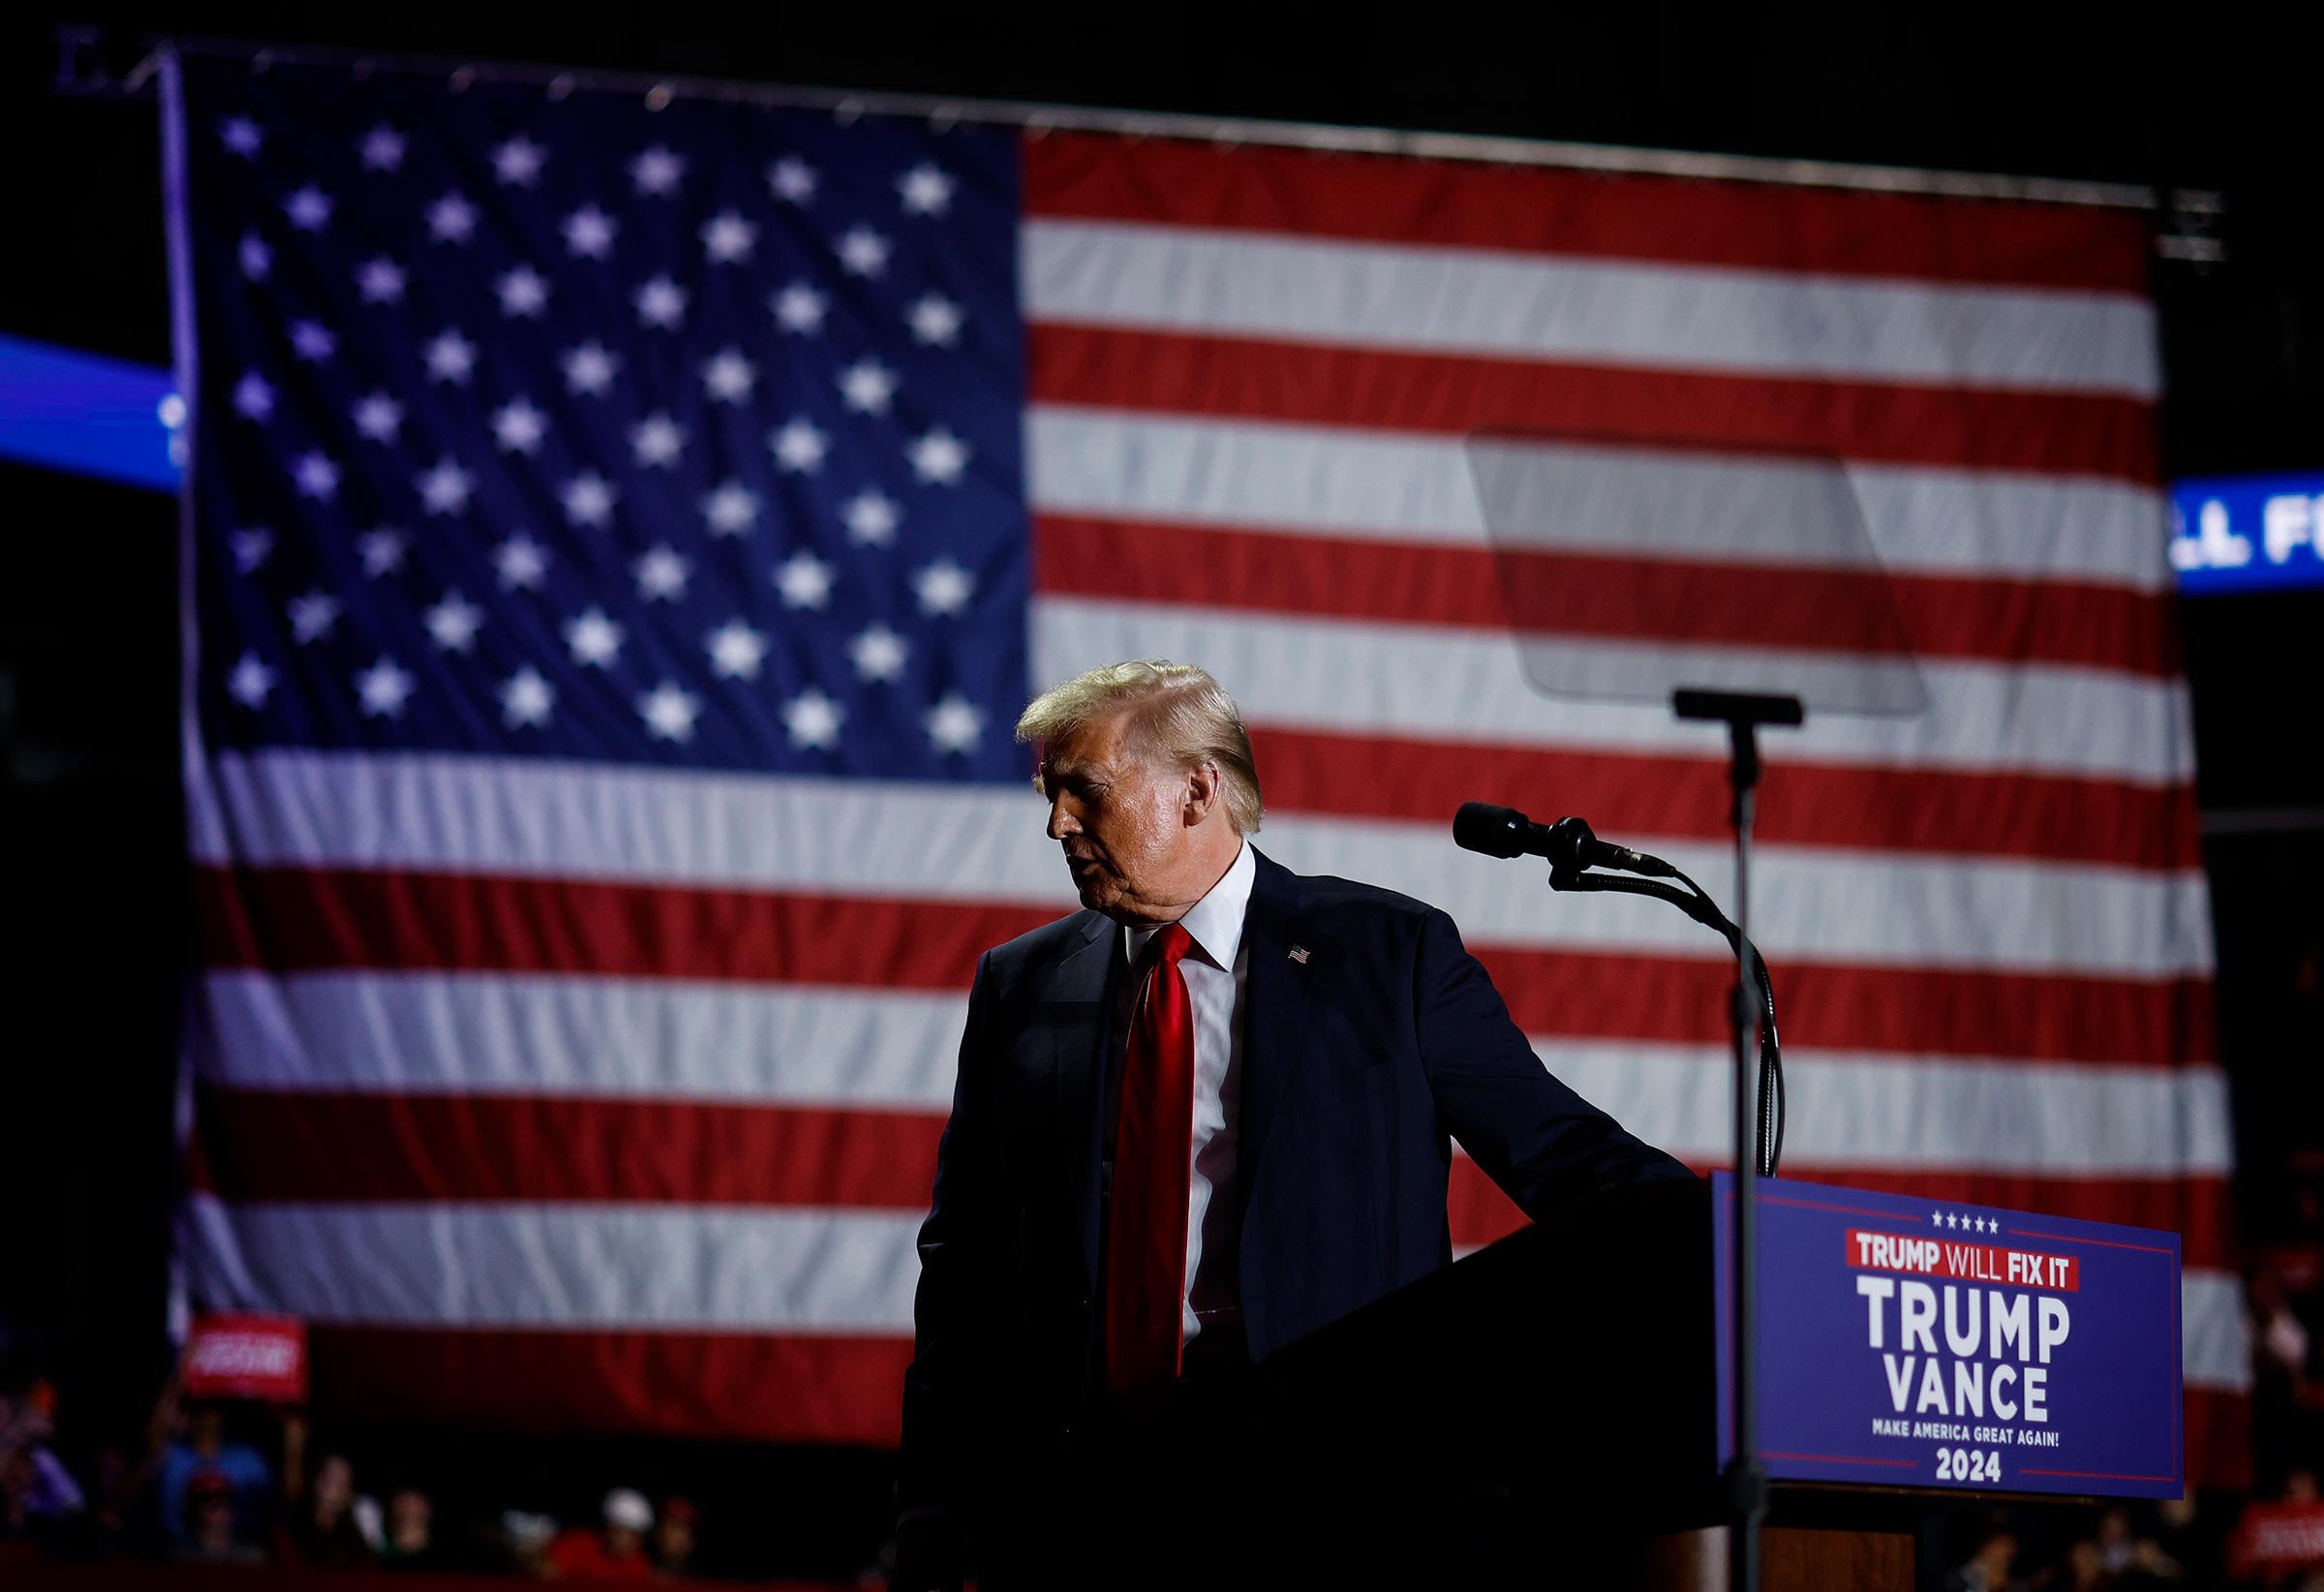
[1507,306]
[1386,487]
[2216,1342]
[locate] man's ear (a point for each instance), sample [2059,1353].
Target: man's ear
[1202,792]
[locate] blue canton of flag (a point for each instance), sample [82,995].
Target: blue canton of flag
[560,425]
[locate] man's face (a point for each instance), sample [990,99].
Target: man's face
[1121,818]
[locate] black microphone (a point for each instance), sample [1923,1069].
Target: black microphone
[1568,843]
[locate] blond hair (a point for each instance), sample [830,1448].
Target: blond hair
[1178,713]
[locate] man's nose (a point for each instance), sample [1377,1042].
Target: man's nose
[1061,822]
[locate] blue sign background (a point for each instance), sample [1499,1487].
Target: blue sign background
[2113,1388]
[2247,532]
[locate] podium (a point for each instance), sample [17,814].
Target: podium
[1547,1411]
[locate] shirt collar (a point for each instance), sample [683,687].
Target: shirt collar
[1215,922]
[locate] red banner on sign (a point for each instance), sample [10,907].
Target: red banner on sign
[1971,1262]
[247,1356]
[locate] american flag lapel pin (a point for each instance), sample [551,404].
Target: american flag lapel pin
[1298,954]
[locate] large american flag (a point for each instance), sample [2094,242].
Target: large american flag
[622,528]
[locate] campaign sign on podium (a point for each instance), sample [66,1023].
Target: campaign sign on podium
[1909,1342]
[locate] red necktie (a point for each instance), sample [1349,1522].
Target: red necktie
[1153,1157]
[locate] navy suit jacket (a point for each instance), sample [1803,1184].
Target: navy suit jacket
[1357,1061]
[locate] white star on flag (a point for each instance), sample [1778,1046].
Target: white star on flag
[661,575]
[526,698]
[656,440]
[805,580]
[240,135]
[799,446]
[381,281]
[518,162]
[523,293]
[940,457]
[936,320]
[450,357]
[254,399]
[254,258]
[383,149]
[590,369]
[799,308]
[870,518]
[880,654]
[660,302]
[736,651]
[726,238]
[863,252]
[311,342]
[812,718]
[792,180]
[518,427]
[451,219]
[317,476]
[313,617]
[589,499]
[669,712]
[453,623]
[250,682]
[868,387]
[731,510]
[955,725]
[925,191]
[384,688]
[381,551]
[943,587]
[444,489]
[521,561]
[379,416]
[656,171]
[309,208]
[594,640]
[727,376]
[250,547]
[588,234]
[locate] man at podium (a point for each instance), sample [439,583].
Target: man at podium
[1199,1117]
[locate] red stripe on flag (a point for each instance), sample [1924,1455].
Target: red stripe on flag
[1601,595]
[787,1388]
[301,1145]
[2055,433]
[1633,794]
[1446,203]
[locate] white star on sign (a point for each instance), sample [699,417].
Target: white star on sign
[945,587]
[313,616]
[523,292]
[940,457]
[526,698]
[589,499]
[863,252]
[309,208]
[936,320]
[880,654]
[1936,1218]
[669,712]
[590,369]
[727,237]
[588,234]
[805,580]
[318,477]
[925,191]
[384,688]
[383,149]
[728,377]
[379,416]
[661,575]
[799,446]
[812,718]
[866,387]
[254,399]
[792,180]
[656,440]
[451,219]
[445,488]
[382,282]
[451,358]
[731,510]
[256,259]
[660,302]
[241,137]
[522,563]
[518,161]
[518,427]
[656,171]
[799,308]
[870,518]
[311,342]
[596,641]
[381,551]
[736,651]
[454,621]
[1951,1220]
[955,725]
[250,682]
[250,547]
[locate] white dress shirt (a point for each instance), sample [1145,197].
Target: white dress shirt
[1217,974]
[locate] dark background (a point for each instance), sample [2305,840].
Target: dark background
[89,837]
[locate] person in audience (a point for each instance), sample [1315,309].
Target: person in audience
[322,1530]
[206,1448]
[1991,1568]
[616,1553]
[411,1542]
[208,1532]
[674,1538]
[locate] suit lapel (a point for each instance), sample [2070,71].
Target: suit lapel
[1282,972]
[1079,996]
